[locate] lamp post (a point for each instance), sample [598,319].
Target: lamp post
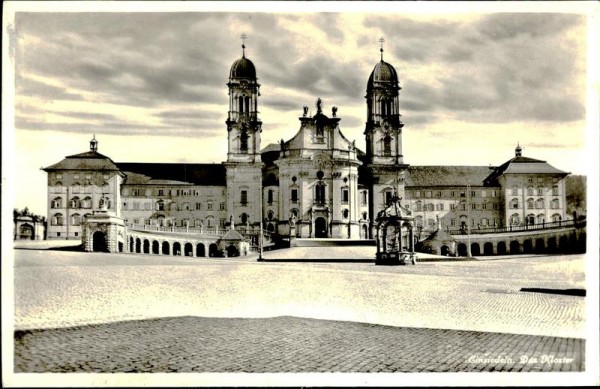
[260,218]
[349,196]
[468,221]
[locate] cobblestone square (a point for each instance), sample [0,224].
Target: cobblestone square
[79,312]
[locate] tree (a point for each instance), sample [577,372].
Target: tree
[575,187]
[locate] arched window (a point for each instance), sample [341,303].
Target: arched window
[387,146]
[365,216]
[515,191]
[419,221]
[541,218]
[364,197]
[556,218]
[86,202]
[530,203]
[514,219]
[244,218]
[244,141]
[270,196]
[539,204]
[160,205]
[247,101]
[540,191]
[320,193]
[555,204]
[530,219]
[514,203]
[75,219]
[345,213]
[57,203]
[76,188]
[555,190]
[75,202]
[530,191]
[294,212]
[270,215]
[418,206]
[240,104]
[57,219]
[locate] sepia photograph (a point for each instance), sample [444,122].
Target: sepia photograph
[300,193]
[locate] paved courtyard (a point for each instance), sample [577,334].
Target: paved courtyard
[123,312]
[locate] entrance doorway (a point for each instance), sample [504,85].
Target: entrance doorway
[320,228]
[99,242]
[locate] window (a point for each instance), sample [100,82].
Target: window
[222,223]
[365,216]
[57,219]
[294,212]
[484,221]
[540,179]
[319,130]
[364,197]
[388,197]
[430,222]
[76,188]
[418,206]
[221,206]
[494,193]
[452,207]
[244,197]
[186,206]
[136,192]
[198,206]
[344,195]
[105,176]
[244,142]
[419,221]
[463,193]
[555,190]
[75,202]
[136,205]
[514,204]
[270,196]
[417,193]
[474,206]
[125,206]
[556,218]
[515,191]
[483,193]
[319,194]
[430,207]
[75,219]
[530,191]
[136,221]
[387,146]
[88,176]
[346,213]
[555,204]
[59,176]
[209,205]
[244,218]
[484,206]
[270,215]
[539,204]
[463,206]
[540,218]
[495,206]
[161,192]
[453,222]
[540,191]
[530,180]
[428,194]
[473,194]
[294,194]
[529,203]
[452,193]
[56,203]
[160,205]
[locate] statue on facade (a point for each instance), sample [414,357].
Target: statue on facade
[305,108]
[334,111]
[319,102]
[293,221]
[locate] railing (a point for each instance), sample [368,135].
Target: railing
[178,230]
[519,228]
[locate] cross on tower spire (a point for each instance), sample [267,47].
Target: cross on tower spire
[243,44]
[381,40]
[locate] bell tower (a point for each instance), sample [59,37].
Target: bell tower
[384,160]
[243,124]
[244,164]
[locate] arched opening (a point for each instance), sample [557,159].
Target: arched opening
[563,243]
[176,248]
[540,247]
[200,250]
[26,231]
[99,242]
[501,249]
[552,244]
[365,231]
[146,246]
[488,248]
[213,250]
[189,250]
[232,251]
[131,245]
[270,227]
[462,249]
[165,248]
[120,246]
[581,243]
[138,245]
[155,247]
[320,228]
[527,246]
[515,247]
[475,249]
[444,250]
[572,243]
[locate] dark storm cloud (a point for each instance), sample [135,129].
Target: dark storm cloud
[27,87]
[510,25]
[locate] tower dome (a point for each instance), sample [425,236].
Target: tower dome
[242,68]
[383,72]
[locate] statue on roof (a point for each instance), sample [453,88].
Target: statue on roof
[305,108]
[319,102]
[334,111]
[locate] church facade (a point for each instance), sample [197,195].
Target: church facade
[318,180]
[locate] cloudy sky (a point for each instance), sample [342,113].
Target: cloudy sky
[152,86]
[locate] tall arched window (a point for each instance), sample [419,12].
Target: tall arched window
[387,145]
[530,203]
[514,219]
[541,218]
[530,219]
[57,219]
[57,203]
[270,196]
[241,104]
[514,203]
[244,141]
[247,103]
[540,191]
[86,202]
[556,218]
[244,218]
[320,193]
[530,191]
[555,204]
[539,204]
[555,190]
[75,202]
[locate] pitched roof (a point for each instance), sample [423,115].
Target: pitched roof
[445,175]
[233,235]
[90,160]
[524,165]
[439,235]
[208,174]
